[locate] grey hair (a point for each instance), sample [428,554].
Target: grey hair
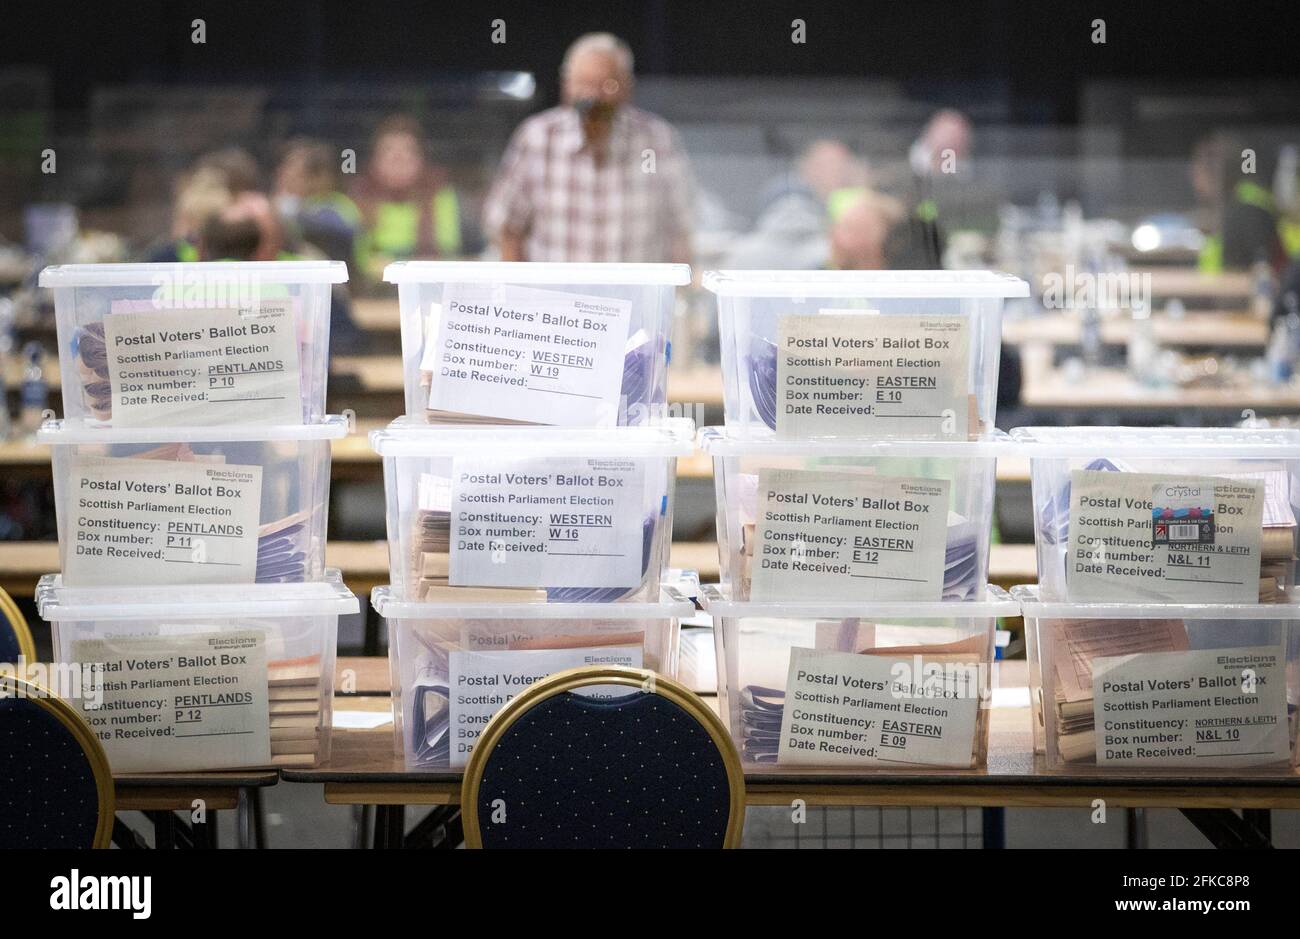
[606,43]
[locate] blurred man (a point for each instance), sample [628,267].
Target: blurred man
[200,195]
[408,206]
[214,180]
[1237,212]
[248,229]
[943,146]
[860,235]
[308,197]
[594,179]
[791,229]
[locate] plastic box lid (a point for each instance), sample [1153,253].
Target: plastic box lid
[1030,605]
[406,437]
[62,432]
[535,272]
[731,441]
[884,284]
[327,597]
[996,602]
[671,605]
[1155,443]
[150,275]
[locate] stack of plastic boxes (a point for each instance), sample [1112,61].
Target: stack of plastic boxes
[529,488]
[1163,630]
[854,624]
[191,482]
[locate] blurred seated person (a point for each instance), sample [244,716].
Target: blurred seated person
[945,141]
[309,199]
[408,208]
[859,236]
[215,180]
[574,183]
[249,230]
[791,231]
[1237,213]
[200,195]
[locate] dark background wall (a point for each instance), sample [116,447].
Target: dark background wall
[1037,52]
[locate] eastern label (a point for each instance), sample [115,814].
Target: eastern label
[546,523]
[864,374]
[848,536]
[484,682]
[161,522]
[202,367]
[187,702]
[866,710]
[1211,707]
[522,354]
[1186,539]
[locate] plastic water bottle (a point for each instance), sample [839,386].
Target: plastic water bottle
[6,354]
[35,392]
[1261,302]
[1282,346]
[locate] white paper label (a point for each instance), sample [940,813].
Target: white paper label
[546,523]
[484,682]
[196,701]
[1142,536]
[522,354]
[203,367]
[1212,707]
[848,536]
[161,522]
[866,710]
[849,373]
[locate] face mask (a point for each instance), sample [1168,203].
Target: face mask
[594,109]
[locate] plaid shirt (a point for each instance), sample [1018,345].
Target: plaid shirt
[571,203]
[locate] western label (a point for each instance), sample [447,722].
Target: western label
[481,683]
[547,523]
[523,354]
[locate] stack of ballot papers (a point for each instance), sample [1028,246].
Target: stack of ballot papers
[294,689]
[1075,645]
[430,561]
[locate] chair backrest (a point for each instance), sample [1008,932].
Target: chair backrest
[604,757]
[15,636]
[56,789]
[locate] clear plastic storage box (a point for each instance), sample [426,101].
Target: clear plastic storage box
[238,504]
[578,345]
[845,686]
[189,344]
[861,353]
[1167,515]
[853,520]
[454,665]
[529,515]
[1151,687]
[200,677]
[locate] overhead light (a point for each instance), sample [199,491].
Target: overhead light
[519,85]
[1146,238]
